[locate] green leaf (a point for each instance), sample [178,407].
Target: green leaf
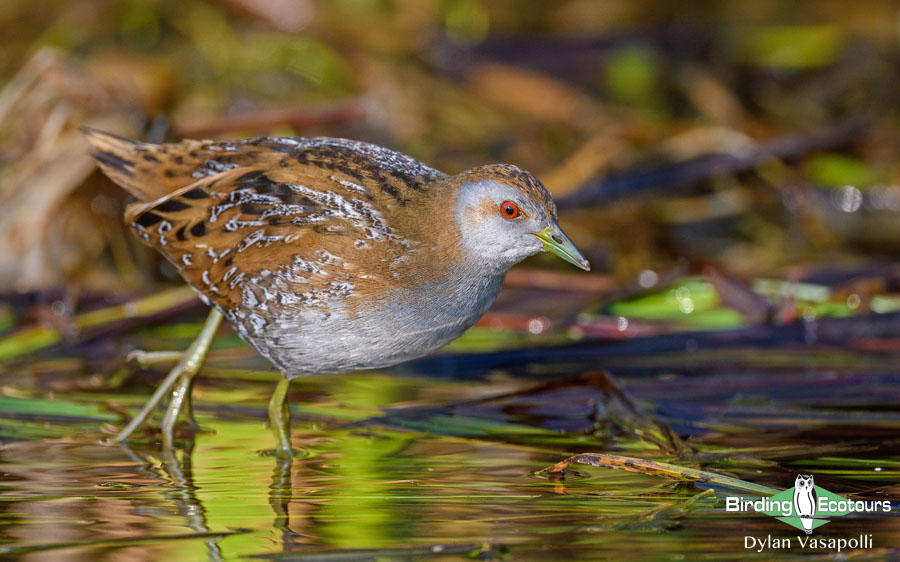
[40,407]
[790,46]
[839,170]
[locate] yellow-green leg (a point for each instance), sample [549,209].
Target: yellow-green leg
[179,402]
[280,419]
[280,496]
[183,374]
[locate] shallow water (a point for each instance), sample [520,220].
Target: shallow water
[398,467]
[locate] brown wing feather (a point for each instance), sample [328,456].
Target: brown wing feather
[263,227]
[261,234]
[150,171]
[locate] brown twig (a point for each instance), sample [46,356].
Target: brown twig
[655,468]
[737,295]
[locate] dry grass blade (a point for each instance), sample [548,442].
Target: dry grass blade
[535,95]
[661,469]
[29,213]
[47,233]
[590,160]
[19,85]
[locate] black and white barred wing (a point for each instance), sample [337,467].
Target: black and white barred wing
[253,235]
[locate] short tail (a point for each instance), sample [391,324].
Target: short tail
[117,157]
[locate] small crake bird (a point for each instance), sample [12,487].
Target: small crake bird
[327,255]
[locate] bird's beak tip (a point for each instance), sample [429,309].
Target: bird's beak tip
[557,242]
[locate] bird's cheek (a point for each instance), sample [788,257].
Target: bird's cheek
[531,242]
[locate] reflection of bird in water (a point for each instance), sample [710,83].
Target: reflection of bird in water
[182,491]
[326,255]
[805,500]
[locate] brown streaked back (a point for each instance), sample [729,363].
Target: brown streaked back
[227,213]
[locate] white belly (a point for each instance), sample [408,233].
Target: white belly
[402,326]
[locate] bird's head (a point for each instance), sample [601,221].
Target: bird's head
[505,215]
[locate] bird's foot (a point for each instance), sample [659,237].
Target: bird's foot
[178,382]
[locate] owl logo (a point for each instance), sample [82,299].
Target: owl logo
[805,501]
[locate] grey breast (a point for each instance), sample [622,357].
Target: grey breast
[403,324]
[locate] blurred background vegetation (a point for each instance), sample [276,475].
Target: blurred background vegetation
[754,136]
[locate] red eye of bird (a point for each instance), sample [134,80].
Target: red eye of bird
[509,210]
